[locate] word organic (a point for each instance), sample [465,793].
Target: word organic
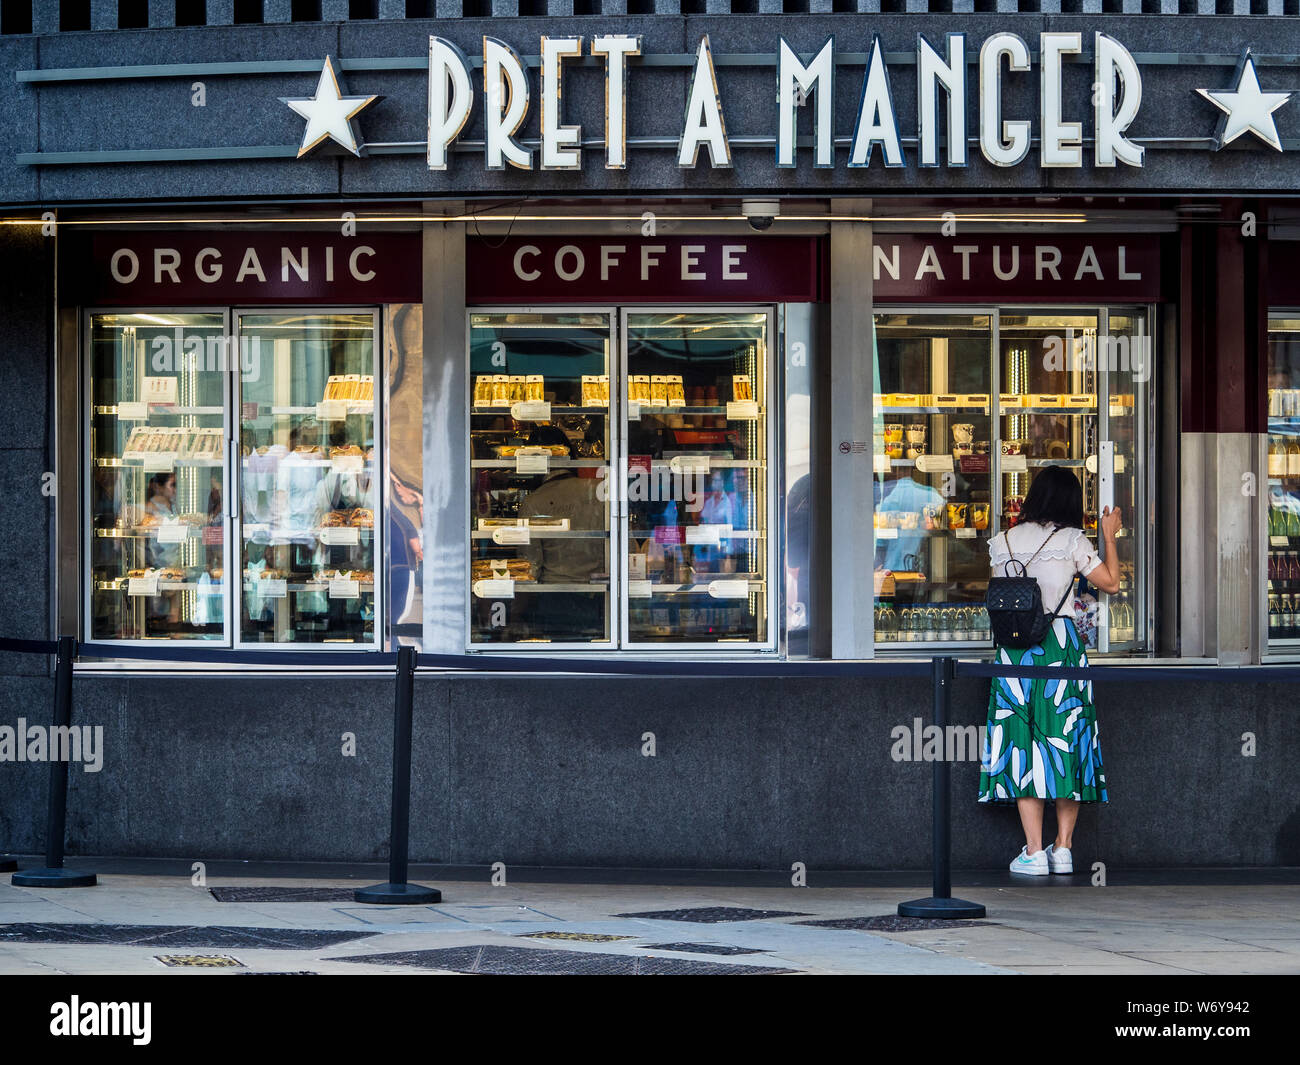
[941,76]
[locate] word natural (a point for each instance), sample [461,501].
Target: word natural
[941,77]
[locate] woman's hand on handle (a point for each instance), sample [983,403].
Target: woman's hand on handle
[1110,522]
[1106,576]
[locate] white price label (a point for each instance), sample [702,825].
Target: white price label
[160,463]
[634,412]
[133,412]
[636,566]
[881,463]
[274,588]
[1119,463]
[886,534]
[494,588]
[142,585]
[1015,464]
[640,589]
[964,534]
[331,410]
[689,463]
[159,390]
[742,410]
[173,532]
[344,588]
[934,463]
[341,536]
[348,463]
[532,410]
[729,589]
[1278,541]
[513,534]
[532,462]
[707,534]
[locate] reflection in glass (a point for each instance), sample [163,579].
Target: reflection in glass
[697,477]
[540,454]
[308,479]
[157,447]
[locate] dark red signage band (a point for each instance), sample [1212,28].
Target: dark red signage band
[199,269]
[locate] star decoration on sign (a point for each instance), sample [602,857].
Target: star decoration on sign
[329,113]
[1246,109]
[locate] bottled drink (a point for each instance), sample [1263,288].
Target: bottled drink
[1293,458]
[1288,619]
[1292,521]
[1274,618]
[1276,456]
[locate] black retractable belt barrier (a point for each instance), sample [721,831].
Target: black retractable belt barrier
[941,903]
[397,890]
[54,875]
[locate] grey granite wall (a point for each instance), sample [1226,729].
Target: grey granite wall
[550,770]
[244,110]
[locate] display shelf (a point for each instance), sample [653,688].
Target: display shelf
[120,585]
[549,534]
[164,409]
[735,534]
[981,409]
[701,588]
[555,463]
[542,587]
[714,463]
[157,467]
[930,532]
[556,408]
[354,407]
[1073,412]
[147,532]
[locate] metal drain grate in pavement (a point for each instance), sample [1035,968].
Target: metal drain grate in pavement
[283,894]
[287,972]
[713,914]
[574,937]
[527,961]
[892,923]
[702,948]
[144,935]
[200,961]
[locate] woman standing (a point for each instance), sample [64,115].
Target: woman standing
[1042,734]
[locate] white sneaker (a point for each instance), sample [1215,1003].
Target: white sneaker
[1030,865]
[1059,859]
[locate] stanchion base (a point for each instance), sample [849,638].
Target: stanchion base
[52,878]
[398,894]
[942,909]
[7,865]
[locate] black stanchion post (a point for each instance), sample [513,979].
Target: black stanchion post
[397,890]
[54,875]
[941,903]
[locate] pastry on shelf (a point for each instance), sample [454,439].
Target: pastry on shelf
[336,519]
[362,518]
[346,451]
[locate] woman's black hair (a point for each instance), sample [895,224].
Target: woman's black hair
[1054,498]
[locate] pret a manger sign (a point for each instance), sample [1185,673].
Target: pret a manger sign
[947,76]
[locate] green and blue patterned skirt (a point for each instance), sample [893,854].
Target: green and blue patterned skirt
[1041,741]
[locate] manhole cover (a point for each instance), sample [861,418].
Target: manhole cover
[200,961]
[287,972]
[702,948]
[527,961]
[143,935]
[713,914]
[892,923]
[283,894]
[574,937]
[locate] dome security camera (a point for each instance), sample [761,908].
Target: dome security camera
[760,213]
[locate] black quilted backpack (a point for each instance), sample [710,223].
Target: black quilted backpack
[1015,604]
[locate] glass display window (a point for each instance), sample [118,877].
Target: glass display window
[234,477]
[156,481]
[620,487]
[969,408]
[1282,500]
